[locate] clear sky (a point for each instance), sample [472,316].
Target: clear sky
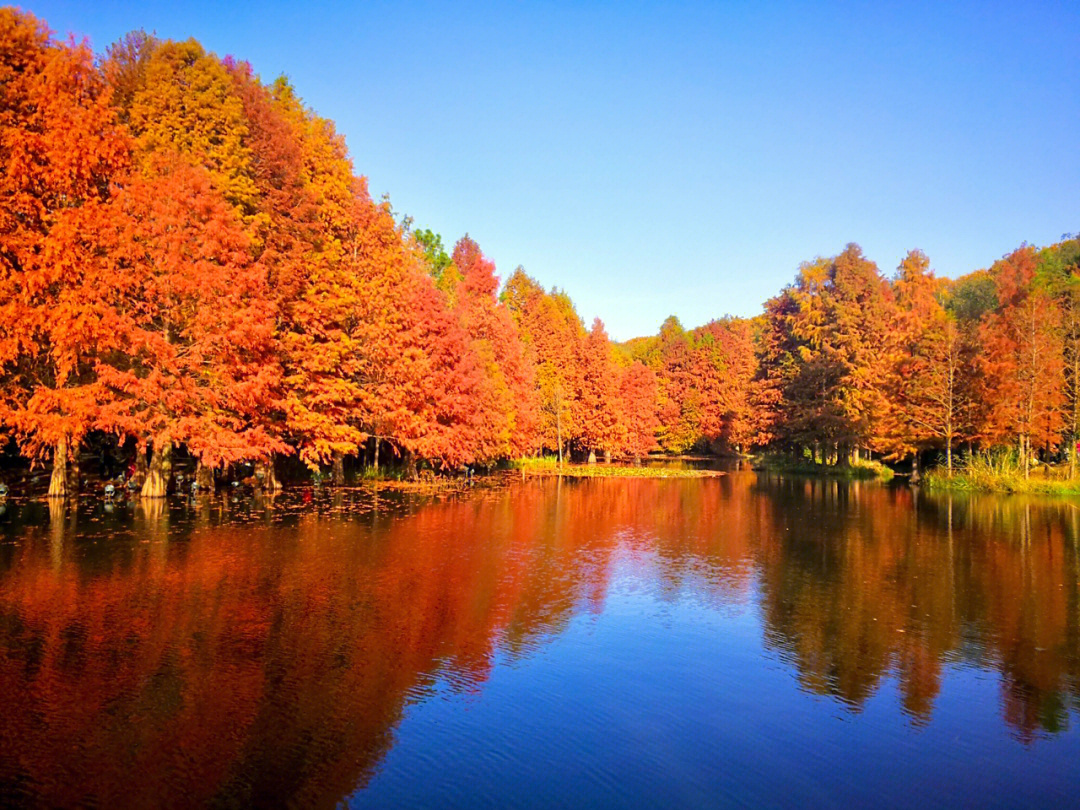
[678,158]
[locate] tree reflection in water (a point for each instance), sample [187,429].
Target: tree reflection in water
[260,654]
[861,582]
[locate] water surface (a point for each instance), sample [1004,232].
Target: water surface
[742,641]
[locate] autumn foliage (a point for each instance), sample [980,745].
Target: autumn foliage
[189,262]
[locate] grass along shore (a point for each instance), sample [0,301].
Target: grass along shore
[861,469]
[549,466]
[1003,472]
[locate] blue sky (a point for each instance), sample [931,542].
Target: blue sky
[679,158]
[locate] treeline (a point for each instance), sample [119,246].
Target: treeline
[188,259]
[851,361]
[846,363]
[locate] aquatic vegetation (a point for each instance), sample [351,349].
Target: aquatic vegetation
[600,470]
[861,468]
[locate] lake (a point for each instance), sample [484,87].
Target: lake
[749,640]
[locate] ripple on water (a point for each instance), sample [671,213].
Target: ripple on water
[656,643]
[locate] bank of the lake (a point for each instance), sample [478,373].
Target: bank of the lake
[1035,484]
[662,468]
[852,470]
[1003,473]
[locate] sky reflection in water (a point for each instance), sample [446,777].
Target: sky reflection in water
[585,643]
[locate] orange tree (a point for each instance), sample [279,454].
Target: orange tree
[59,147]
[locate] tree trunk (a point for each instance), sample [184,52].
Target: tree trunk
[338,461]
[204,478]
[916,476]
[58,481]
[607,456]
[140,465]
[558,432]
[73,469]
[375,459]
[157,478]
[1047,458]
[410,465]
[592,456]
[266,475]
[948,455]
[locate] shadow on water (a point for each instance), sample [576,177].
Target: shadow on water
[255,652]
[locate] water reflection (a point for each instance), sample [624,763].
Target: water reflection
[863,582]
[262,653]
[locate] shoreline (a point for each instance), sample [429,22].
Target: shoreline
[861,470]
[616,471]
[1036,484]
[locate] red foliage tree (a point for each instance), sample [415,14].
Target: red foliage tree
[1023,359]
[930,406]
[637,403]
[551,333]
[507,408]
[186,354]
[60,147]
[601,428]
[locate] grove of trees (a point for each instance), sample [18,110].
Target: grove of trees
[188,260]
